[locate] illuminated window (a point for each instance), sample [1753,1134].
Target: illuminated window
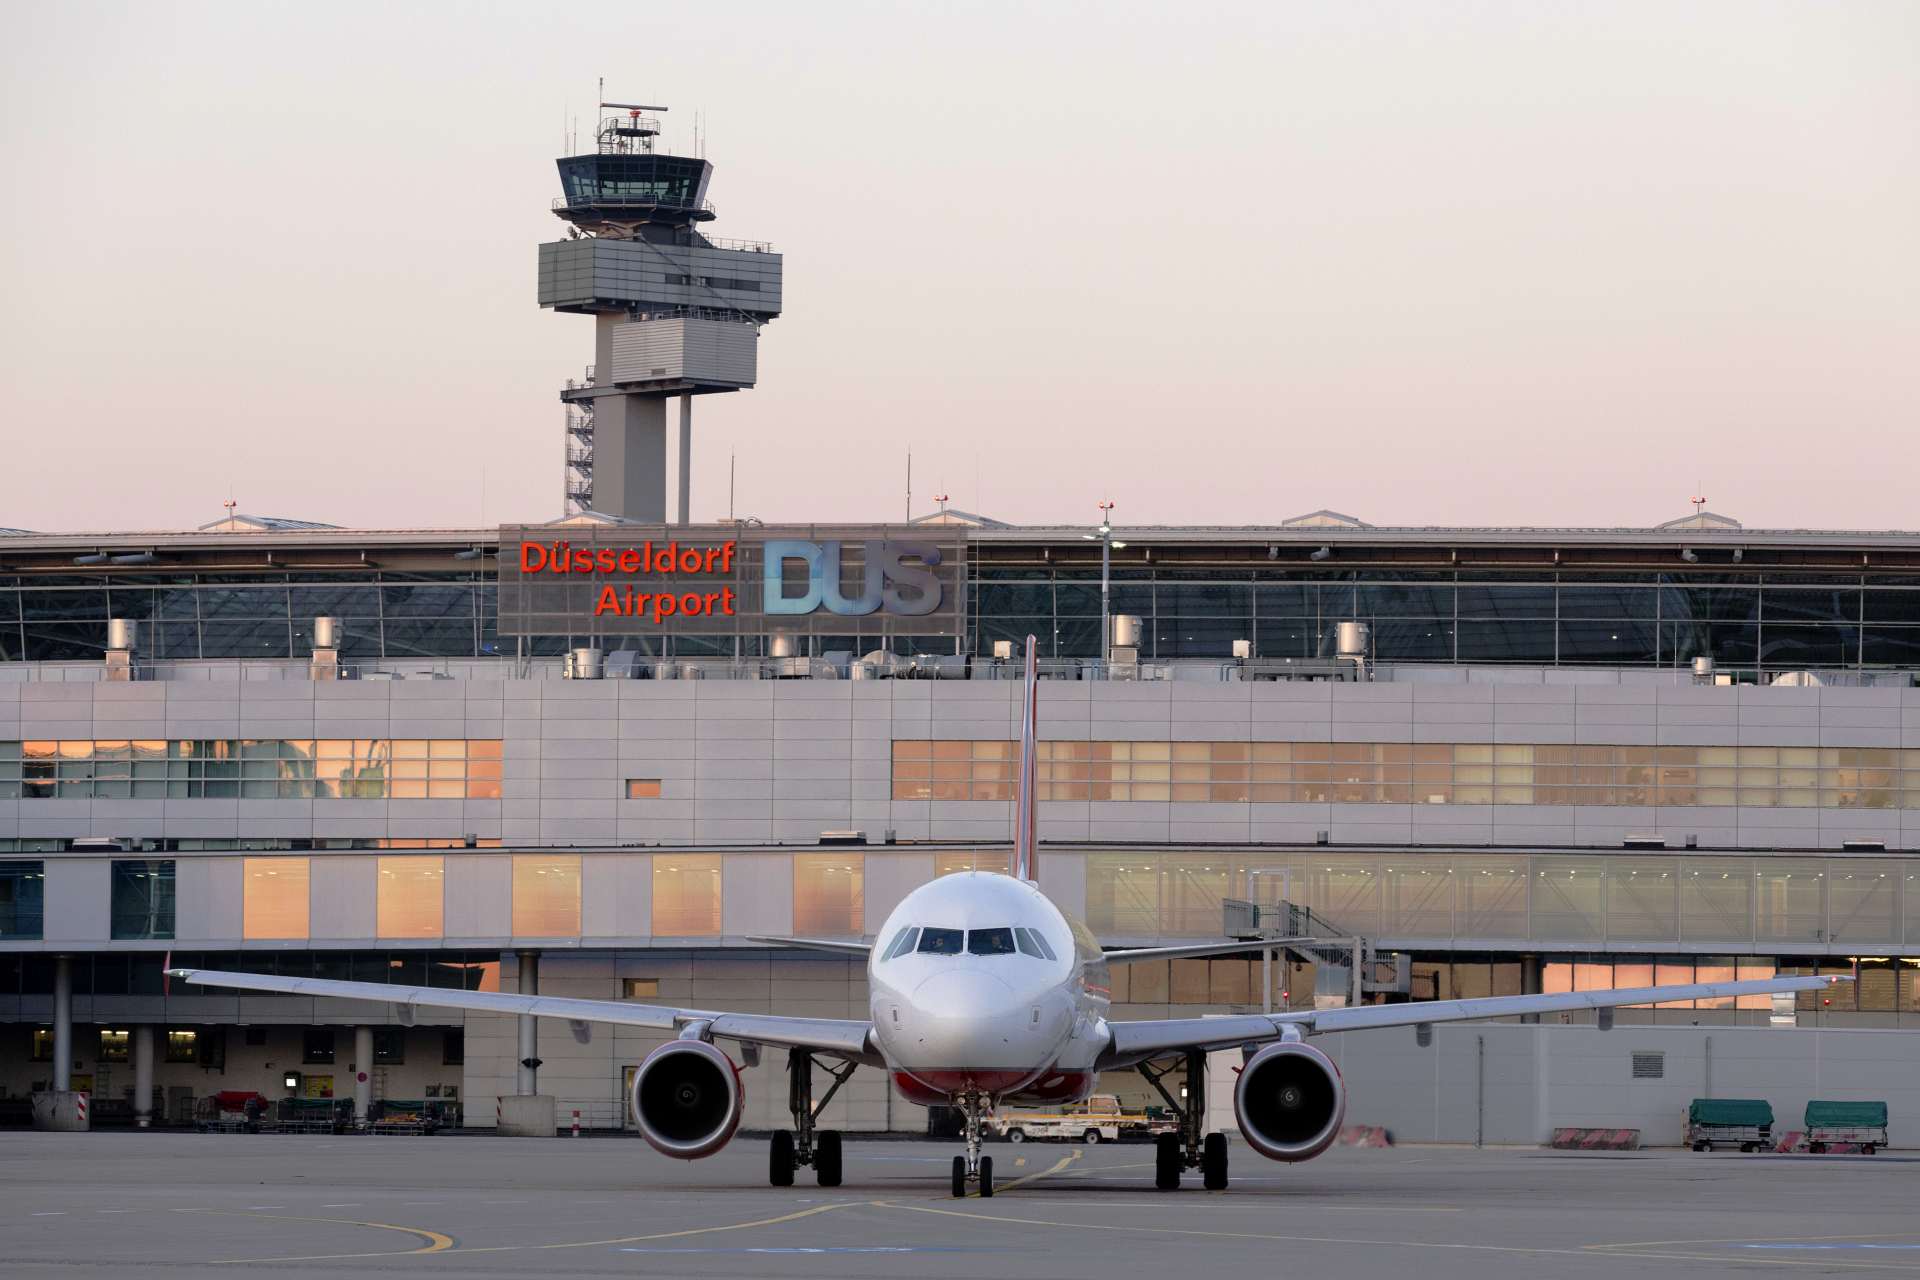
[639,988]
[183,1046]
[1425,773]
[274,898]
[686,895]
[43,1044]
[546,895]
[946,864]
[316,1045]
[643,788]
[113,1045]
[410,897]
[827,893]
[251,769]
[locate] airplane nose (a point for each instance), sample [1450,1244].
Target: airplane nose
[962,1018]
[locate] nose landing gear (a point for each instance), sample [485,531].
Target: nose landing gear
[973,1166]
[806,1145]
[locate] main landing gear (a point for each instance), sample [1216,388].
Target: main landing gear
[805,1145]
[1189,1148]
[973,1166]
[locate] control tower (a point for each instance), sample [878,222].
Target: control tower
[676,312]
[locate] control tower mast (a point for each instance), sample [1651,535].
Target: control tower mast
[676,313]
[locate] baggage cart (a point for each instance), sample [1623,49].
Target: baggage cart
[1860,1124]
[1746,1123]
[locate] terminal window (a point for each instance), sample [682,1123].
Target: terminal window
[643,788]
[274,898]
[183,1046]
[1417,773]
[316,1046]
[686,895]
[546,896]
[251,769]
[639,988]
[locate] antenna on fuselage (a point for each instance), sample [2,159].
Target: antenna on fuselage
[1024,863]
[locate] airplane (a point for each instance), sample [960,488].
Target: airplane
[983,993]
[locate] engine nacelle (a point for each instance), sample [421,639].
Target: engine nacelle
[1290,1101]
[687,1099]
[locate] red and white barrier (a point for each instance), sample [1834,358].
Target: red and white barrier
[1576,1139]
[1364,1135]
[576,1122]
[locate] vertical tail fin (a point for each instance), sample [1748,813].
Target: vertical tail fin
[1024,864]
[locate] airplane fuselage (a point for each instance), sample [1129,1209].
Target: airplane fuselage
[980,985]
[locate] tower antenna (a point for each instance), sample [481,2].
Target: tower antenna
[909,486]
[1697,500]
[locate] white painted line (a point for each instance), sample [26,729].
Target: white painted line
[410,1203]
[52,1213]
[351,1204]
[266,1206]
[116,1211]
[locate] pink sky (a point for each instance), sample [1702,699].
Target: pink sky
[1457,263]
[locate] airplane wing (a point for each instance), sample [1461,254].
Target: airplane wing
[1195,951]
[841,1037]
[861,949]
[1134,1042]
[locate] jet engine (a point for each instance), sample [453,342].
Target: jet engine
[1290,1101]
[687,1099]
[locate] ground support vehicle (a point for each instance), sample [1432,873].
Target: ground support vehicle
[1746,1123]
[1860,1124]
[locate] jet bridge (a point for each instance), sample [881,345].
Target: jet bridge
[1343,963]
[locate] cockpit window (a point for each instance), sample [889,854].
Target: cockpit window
[902,943]
[1033,943]
[990,942]
[941,942]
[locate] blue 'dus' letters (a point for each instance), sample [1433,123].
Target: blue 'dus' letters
[898,578]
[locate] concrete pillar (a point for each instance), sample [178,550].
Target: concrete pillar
[62,1023]
[362,1073]
[143,1074]
[528,1080]
[686,456]
[1530,980]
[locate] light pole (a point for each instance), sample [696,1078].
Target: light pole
[1105,538]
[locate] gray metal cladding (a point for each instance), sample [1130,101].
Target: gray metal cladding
[710,351]
[577,273]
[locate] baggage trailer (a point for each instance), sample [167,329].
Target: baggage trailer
[1861,1124]
[1746,1123]
[230,1111]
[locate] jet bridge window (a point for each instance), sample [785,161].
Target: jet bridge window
[1031,943]
[990,942]
[941,942]
[902,943]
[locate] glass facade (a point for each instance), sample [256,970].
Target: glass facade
[1420,773]
[410,898]
[1752,903]
[686,895]
[1754,620]
[827,894]
[252,769]
[143,898]
[1745,621]
[546,895]
[274,898]
[23,896]
[384,614]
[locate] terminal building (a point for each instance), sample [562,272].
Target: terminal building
[1521,758]
[596,757]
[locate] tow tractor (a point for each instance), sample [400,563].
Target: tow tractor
[1098,1119]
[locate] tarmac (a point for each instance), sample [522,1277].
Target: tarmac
[113,1204]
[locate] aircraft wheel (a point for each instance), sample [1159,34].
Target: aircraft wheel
[1166,1162]
[986,1177]
[959,1177]
[1016,1135]
[826,1157]
[1091,1137]
[780,1159]
[1213,1162]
